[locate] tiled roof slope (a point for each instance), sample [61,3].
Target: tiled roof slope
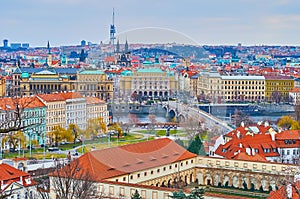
[112,162]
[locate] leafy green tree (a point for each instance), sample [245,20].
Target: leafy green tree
[136,195]
[178,195]
[197,147]
[197,193]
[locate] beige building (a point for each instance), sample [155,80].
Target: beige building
[243,88]
[209,86]
[96,108]
[56,110]
[46,82]
[94,83]
[218,89]
[147,82]
[2,86]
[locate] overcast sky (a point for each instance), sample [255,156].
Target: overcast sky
[203,22]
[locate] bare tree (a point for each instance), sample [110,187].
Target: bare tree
[192,127]
[12,113]
[70,180]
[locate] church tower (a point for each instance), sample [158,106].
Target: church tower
[49,58]
[126,47]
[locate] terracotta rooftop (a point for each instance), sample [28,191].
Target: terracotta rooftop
[8,172]
[112,162]
[93,100]
[24,102]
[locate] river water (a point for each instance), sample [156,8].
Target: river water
[144,118]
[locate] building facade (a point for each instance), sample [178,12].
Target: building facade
[2,86]
[277,88]
[16,183]
[56,110]
[94,83]
[148,82]
[45,82]
[96,108]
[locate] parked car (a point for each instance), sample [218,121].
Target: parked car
[52,149]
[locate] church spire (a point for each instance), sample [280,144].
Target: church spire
[126,47]
[118,47]
[48,47]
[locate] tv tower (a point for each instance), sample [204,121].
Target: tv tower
[112,29]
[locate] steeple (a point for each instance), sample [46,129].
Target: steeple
[126,47]
[48,47]
[49,58]
[118,47]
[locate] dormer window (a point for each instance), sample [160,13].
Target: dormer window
[224,150]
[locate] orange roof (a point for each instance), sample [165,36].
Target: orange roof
[254,158]
[94,100]
[51,97]
[109,59]
[112,162]
[8,172]
[71,95]
[288,135]
[282,194]
[295,90]
[24,102]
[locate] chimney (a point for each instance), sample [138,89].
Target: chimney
[242,124]
[267,124]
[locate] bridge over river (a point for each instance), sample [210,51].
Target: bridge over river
[183,112]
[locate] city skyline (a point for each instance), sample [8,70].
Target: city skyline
[250,22]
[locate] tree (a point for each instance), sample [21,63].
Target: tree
[74,131]
[240,116]
[15,139]
[197,147]
[136,195]
[192,128]
[116,127]
[70,180]
[152,120]
[197,193]
[285,122]
[12,114]
[57,134]
[96,126]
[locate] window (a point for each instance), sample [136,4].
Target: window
[145,174]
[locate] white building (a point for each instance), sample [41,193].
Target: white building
[75,109]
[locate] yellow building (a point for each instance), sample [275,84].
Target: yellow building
[94,83]
[147,82]
[56,110]
[2,86]
[278,88]
[46,82]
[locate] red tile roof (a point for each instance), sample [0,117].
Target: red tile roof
[8,172]
[112,162]
[281,193]
[24,102]
[94,100]
[54,97]
[288,135]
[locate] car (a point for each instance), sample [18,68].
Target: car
[13,150]
[52,149]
